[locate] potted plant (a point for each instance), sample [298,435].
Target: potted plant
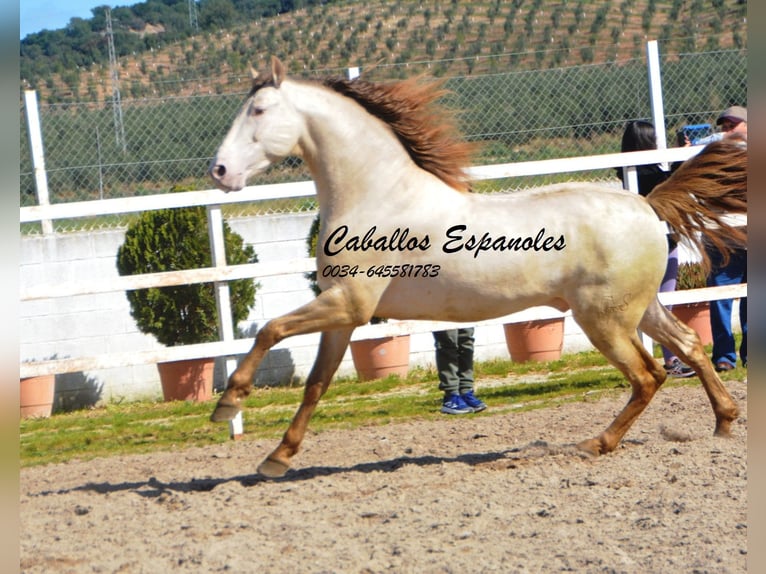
[36,396]
[695,315]
[172,240]
[373,358]
[537,340]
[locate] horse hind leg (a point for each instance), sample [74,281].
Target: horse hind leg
[622,347]
[662,326]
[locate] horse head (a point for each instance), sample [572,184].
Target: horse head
[265,131]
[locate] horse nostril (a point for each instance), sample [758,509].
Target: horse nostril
[219,171]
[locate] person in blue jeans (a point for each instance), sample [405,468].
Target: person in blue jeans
[724,351]
[454,362]
[733,122]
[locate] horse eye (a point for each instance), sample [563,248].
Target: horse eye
[256,111]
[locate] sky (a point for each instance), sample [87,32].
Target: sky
[37,15]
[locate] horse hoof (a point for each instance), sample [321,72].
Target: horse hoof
[223,413]
[723,430]
[591,447]
[273,468]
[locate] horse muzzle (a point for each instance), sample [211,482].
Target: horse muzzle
[222,179]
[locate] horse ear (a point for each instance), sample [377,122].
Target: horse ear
[253,73]
[278,71]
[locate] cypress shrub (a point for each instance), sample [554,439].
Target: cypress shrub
[173,240]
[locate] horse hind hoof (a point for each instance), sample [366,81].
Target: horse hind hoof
[273,468]
[224,412]
[723,430]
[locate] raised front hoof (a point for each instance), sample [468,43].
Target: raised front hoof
[224,412]
[271,468]
[591,447]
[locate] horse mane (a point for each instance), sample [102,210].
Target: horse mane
[696,199]
[426,129]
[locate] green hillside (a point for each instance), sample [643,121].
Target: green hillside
[164,48]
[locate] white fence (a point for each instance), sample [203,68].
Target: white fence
[214,199]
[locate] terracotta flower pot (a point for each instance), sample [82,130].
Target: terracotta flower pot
[696,316]
[36,396]
[540,340]
[187,380]
[378,358]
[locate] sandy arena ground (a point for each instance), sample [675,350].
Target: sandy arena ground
[480,493]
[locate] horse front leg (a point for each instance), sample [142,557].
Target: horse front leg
[240,382]
[333,309]
[332,347]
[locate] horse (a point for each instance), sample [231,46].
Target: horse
[402,237]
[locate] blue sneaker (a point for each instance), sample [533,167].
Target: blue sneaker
[473,401]
[454,404]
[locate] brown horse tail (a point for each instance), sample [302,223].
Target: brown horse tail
[696,200]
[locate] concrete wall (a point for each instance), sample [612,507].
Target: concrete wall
[91,325]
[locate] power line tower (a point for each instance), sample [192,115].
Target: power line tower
[193,15]
[119,129]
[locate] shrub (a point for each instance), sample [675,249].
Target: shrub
[690,276]
[172,240]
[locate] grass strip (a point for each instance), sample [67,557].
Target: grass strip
[150,426]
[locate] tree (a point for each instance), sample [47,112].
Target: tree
[217,14]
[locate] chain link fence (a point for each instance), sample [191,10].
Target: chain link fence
[146,146]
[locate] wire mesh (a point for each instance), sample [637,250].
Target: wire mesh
[158,145]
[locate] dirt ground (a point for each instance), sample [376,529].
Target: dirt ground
[480,493]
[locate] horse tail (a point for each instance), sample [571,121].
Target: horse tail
[697,200]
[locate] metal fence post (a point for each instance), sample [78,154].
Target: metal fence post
[38,155]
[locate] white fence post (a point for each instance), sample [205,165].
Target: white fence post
[658,118]
[223,299]
[222,295]
[655,93]
[630,178]
[38,155]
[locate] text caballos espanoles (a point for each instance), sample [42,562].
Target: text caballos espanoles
[457,239]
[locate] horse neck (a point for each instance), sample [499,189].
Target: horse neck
[347,150]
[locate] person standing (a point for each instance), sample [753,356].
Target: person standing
[638,136]
[734,272]
[454,363]
[733,122]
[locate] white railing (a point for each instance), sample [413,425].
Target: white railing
[214,199]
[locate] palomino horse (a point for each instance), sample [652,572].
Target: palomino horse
[401,238]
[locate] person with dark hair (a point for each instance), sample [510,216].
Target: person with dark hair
[638,136]
[454,362]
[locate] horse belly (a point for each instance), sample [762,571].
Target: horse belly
[469,292]
[450,306]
